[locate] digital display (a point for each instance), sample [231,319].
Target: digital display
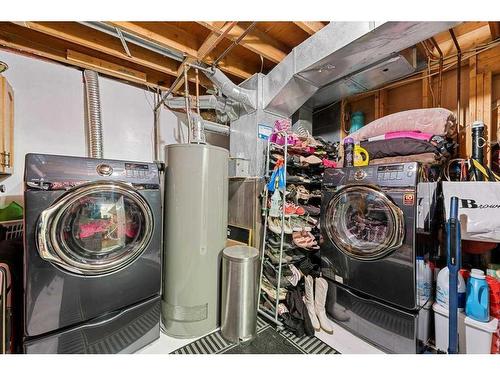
[136,167]
[391,168]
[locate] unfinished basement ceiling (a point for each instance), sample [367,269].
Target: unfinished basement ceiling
[158,59]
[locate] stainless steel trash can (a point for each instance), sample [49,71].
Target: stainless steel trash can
[240,273]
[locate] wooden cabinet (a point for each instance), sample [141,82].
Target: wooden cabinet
[6,126]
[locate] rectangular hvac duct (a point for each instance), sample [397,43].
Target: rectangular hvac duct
[337,51]
[368,79]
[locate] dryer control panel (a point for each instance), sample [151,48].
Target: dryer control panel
[54,172]
[385,175]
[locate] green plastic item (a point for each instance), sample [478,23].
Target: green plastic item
[14,211]
[357,121]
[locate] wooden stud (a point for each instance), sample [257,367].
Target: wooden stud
[343,129]
[6,125]
[487,81]
[310,27]
[494,30]
[465,135]
[256,41]
[497,135]
[427,101]
[380,103]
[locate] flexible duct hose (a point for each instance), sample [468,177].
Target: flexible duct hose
[94,121]
[246,97]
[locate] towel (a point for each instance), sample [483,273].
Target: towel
[437,121]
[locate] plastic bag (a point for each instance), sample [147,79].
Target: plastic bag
[478,210]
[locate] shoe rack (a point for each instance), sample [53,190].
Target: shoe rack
[267,306]
[272,313]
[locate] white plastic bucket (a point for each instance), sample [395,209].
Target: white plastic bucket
[478,335]
[441,329]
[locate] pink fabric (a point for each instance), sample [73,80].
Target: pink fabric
[435,121]
[280,127]
[329,163]
[96,226]
[408,134]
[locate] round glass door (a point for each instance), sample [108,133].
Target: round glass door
[363,222]
[96,228]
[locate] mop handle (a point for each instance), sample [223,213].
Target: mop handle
[454,257]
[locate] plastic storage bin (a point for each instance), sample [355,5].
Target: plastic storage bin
[441,315]
[478,335]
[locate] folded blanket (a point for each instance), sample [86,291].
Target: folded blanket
[438,121]
[403,134]
[398,147]
[428,158]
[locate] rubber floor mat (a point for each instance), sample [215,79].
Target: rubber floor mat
[268,341]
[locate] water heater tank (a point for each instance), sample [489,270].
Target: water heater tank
[196,198]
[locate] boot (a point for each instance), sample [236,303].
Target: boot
[309,302]
[319,304]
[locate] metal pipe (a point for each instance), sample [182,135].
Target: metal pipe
[203,69]
[169,91]
[459,71]
[197,91]
[156,128]
[234,44]
[214,127]
[94,118]
[186,97]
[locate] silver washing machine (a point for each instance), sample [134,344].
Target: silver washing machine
[371,242]
[92,269]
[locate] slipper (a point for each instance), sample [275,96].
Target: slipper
[293,209]
[312,210]
[310,160]
[274,225]
[303,193]
[300,240]
[267,287]
[275,259]
[276,242]
[299,225]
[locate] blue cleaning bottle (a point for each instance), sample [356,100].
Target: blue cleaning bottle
[477,306]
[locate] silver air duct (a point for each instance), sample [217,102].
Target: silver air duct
[221,105]
[247,97]
[94,121]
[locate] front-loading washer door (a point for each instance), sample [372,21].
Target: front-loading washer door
[95,229]
[364,223]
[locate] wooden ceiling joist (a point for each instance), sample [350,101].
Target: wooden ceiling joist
[256,41]
[24,40]
[213,39]
[310,27]
[99,41]
[164,34]
[179,40]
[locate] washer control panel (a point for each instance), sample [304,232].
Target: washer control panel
[397,174]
